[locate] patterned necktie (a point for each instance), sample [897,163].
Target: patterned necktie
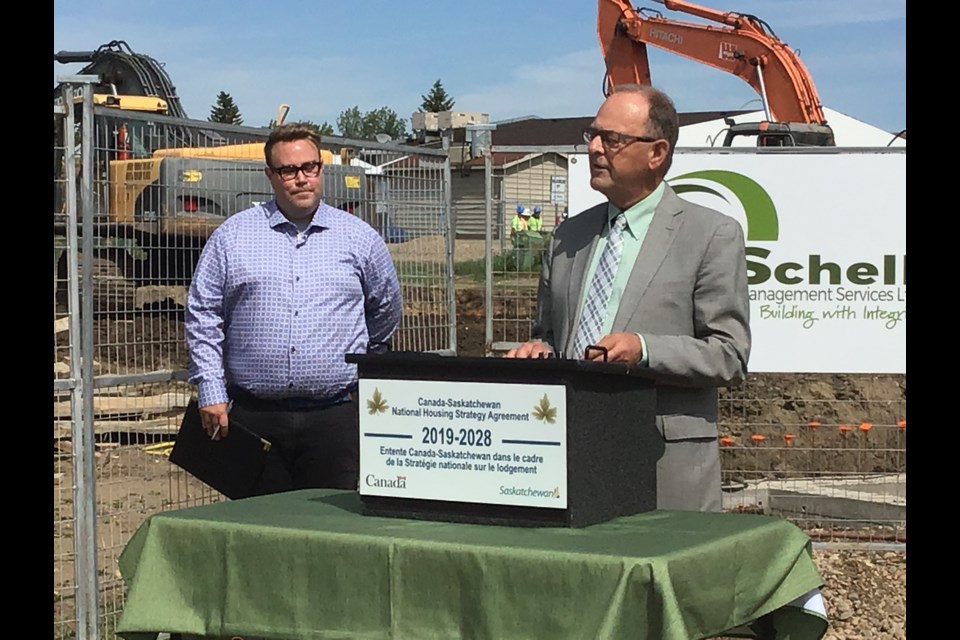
[595,306]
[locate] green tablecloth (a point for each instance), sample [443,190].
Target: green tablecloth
[308,565]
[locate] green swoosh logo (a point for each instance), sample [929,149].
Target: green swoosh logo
[762,222]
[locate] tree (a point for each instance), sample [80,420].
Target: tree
[350,123]
[225,110]
[437,99]
[325,129]
[354,124]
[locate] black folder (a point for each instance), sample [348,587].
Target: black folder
[231,465]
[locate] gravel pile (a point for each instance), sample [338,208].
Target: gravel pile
[865,593]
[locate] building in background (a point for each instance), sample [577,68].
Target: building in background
[538,177]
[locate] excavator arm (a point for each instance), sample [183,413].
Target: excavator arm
[125,73]
[741,44]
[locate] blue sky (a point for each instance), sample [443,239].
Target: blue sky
[506,58]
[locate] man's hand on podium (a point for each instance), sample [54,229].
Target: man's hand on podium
[532,349]
[622,347]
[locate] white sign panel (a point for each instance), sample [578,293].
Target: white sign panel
[826,251]
[558,189]
[479,442]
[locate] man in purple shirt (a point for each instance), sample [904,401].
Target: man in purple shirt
[281,293]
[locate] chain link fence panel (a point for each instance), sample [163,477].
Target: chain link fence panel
[130,221]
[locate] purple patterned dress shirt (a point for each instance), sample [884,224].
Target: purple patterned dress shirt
[274,310]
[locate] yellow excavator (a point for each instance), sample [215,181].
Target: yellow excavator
[160,196]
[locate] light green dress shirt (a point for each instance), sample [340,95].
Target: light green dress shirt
[638,221]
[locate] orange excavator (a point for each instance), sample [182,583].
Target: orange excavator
[739,43]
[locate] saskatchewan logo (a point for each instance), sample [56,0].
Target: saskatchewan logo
[762,222]
[377,403]
[543,412]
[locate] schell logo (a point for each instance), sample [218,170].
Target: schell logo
[762,222]
[763,225]
[399,482]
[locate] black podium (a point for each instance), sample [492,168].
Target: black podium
[612,444]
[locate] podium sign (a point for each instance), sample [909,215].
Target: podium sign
[482,442]
[533,442]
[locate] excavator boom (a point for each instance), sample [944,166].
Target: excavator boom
[625,58]
[740,44]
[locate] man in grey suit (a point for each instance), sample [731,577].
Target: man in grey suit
[678,302]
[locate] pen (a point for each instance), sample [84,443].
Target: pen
[216,431]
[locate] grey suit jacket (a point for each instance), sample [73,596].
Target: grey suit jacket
[687,296]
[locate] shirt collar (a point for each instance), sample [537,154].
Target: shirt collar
[637,212]
[276,218]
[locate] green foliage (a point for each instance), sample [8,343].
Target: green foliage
[437,99]
[524,262]
[513,261]
[354,124]
[325,129]
[350,122]
[225,110]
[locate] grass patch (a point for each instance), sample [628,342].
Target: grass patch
[513,261]
[508,262]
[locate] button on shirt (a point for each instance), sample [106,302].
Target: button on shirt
[273,309]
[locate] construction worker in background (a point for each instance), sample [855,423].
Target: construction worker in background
[520,222]
[535,223]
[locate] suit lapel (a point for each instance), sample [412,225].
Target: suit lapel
[660,235]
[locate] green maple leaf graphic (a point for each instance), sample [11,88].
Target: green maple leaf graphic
[377,403]
[544,412]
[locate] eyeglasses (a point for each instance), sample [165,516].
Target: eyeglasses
[289,172]
[613,140]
